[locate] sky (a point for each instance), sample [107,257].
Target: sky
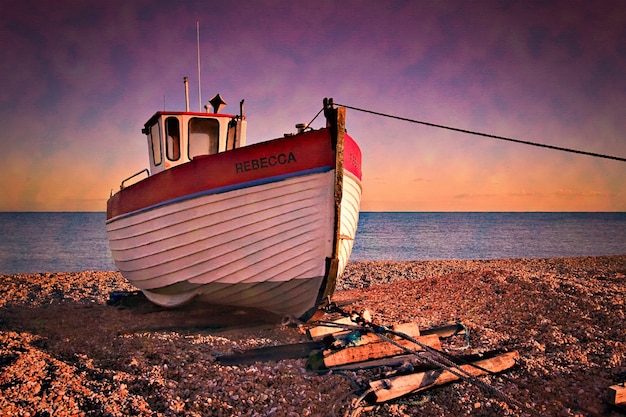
[78,79]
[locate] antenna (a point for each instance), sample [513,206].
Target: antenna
[198,43]
[186,82]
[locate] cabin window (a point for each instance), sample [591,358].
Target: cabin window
[203,136]
[155,143]
[172,138]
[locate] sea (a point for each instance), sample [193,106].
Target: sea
[72,242]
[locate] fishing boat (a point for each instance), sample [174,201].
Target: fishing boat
[267,226]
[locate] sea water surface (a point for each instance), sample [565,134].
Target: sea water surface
[54,242]
[427,236]
[70,242]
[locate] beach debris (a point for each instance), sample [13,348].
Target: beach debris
[373,345]
[391,388]
[617,395]
[337,326]
[332,342]
[370,350]
[124,298]
[354,343]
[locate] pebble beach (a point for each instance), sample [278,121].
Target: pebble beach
[64,351]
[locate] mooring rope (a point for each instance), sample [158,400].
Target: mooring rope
[471,132]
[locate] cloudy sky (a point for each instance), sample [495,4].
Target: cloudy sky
[79,78]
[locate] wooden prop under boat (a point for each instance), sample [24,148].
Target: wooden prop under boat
[268,226]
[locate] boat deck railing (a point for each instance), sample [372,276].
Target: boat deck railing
[122,185]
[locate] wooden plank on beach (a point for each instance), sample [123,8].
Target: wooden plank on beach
[418,364]
[409,329]
[617,395]
[448,330]
[303,349]
[319,332]
[445,331]
[390,388]
[323,331]
[377,350]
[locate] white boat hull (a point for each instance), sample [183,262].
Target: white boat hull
[260,247]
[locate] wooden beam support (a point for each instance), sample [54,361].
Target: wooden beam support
[303,349]
[377,350]
[390,388]
[449,330]
[617,395]
[320,332]
[409,329]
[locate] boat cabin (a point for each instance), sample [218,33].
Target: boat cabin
[175,138]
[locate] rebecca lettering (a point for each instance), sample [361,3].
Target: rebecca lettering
[265,162]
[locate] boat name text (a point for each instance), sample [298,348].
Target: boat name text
[265,162]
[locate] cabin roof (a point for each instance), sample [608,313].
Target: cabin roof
[187,113]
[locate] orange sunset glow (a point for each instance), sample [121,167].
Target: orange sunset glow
[80,79]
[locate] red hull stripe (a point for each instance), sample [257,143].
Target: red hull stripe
[352,157]
[225,189]
[262,162]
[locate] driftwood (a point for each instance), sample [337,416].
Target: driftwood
[377,350]
[339,339]
[417,363]
[343,344]
[390,388]
[319,332]
[335,327]
[356,338]
[448,330]
[445,331]
[617,395]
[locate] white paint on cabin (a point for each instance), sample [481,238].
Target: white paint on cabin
[175,138]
